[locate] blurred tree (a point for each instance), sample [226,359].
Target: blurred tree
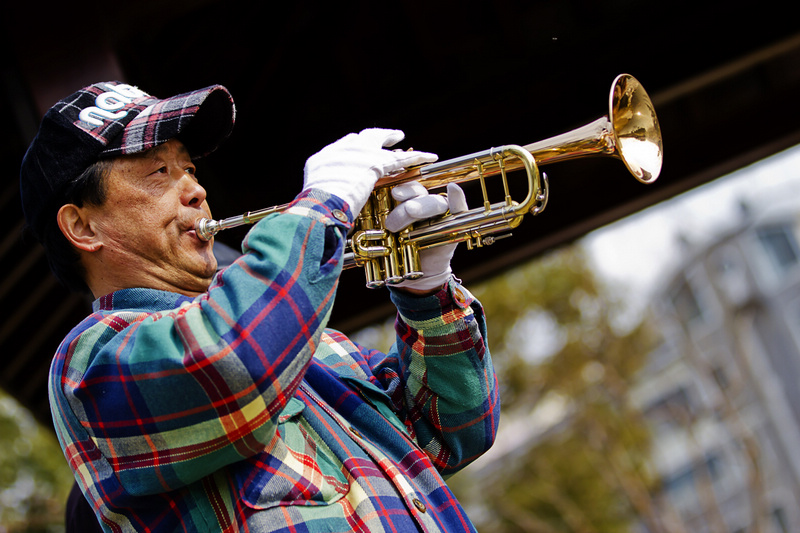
[565,360]
[34,478]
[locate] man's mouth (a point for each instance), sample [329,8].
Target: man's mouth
[191,230]
[191,226]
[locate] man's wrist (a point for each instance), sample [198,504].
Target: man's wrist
[422,292]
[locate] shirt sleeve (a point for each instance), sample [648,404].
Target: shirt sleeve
[168,397]
[440,375]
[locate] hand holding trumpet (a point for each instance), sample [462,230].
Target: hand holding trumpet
[350,167]
[417,204]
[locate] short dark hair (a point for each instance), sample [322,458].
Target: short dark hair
[88,189]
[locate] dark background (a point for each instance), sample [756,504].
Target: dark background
[457,77]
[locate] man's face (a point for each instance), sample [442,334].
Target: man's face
[147,222]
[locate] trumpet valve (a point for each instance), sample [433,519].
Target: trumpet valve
[412,269]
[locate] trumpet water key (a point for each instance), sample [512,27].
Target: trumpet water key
[630,132]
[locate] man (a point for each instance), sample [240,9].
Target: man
[189,401]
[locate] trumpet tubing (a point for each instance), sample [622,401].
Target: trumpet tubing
[629,132]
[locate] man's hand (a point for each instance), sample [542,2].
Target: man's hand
[350,167]
[417,204]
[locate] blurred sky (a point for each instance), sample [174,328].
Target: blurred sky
[636,253]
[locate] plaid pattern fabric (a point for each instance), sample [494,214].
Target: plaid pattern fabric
[125,120]
[239,411]
[161,118]
[104,123]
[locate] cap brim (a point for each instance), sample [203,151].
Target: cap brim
[200,119]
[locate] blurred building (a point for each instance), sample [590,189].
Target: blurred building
[721,390]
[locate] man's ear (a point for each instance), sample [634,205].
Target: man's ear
[74,224]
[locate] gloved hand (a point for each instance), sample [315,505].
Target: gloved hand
[350,167]
[417,204]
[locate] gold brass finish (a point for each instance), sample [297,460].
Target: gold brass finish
[629,132]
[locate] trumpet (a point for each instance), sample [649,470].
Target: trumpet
[629,132]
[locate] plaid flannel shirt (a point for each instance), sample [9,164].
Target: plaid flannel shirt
[239,411]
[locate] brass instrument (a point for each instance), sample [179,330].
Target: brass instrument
[629,132]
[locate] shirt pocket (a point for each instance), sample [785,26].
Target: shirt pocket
[294,469]
[379,399]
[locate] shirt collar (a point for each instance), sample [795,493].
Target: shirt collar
[140,298]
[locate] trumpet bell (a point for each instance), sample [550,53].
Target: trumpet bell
[629,132]
[634,124]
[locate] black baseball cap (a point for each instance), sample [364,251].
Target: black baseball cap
[108,119]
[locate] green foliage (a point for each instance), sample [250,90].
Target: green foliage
[553,336]
[34,477]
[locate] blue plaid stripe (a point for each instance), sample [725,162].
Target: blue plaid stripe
[239,409]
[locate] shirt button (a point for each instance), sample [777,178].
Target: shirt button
[419,505]
[339,215]
[460,298]
[356,432]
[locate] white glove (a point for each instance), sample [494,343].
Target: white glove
[350,167]
[417,204]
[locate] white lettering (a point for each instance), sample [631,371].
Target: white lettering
[111,101]
[90,113]
[117,97]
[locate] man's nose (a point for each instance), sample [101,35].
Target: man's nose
[192,193]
